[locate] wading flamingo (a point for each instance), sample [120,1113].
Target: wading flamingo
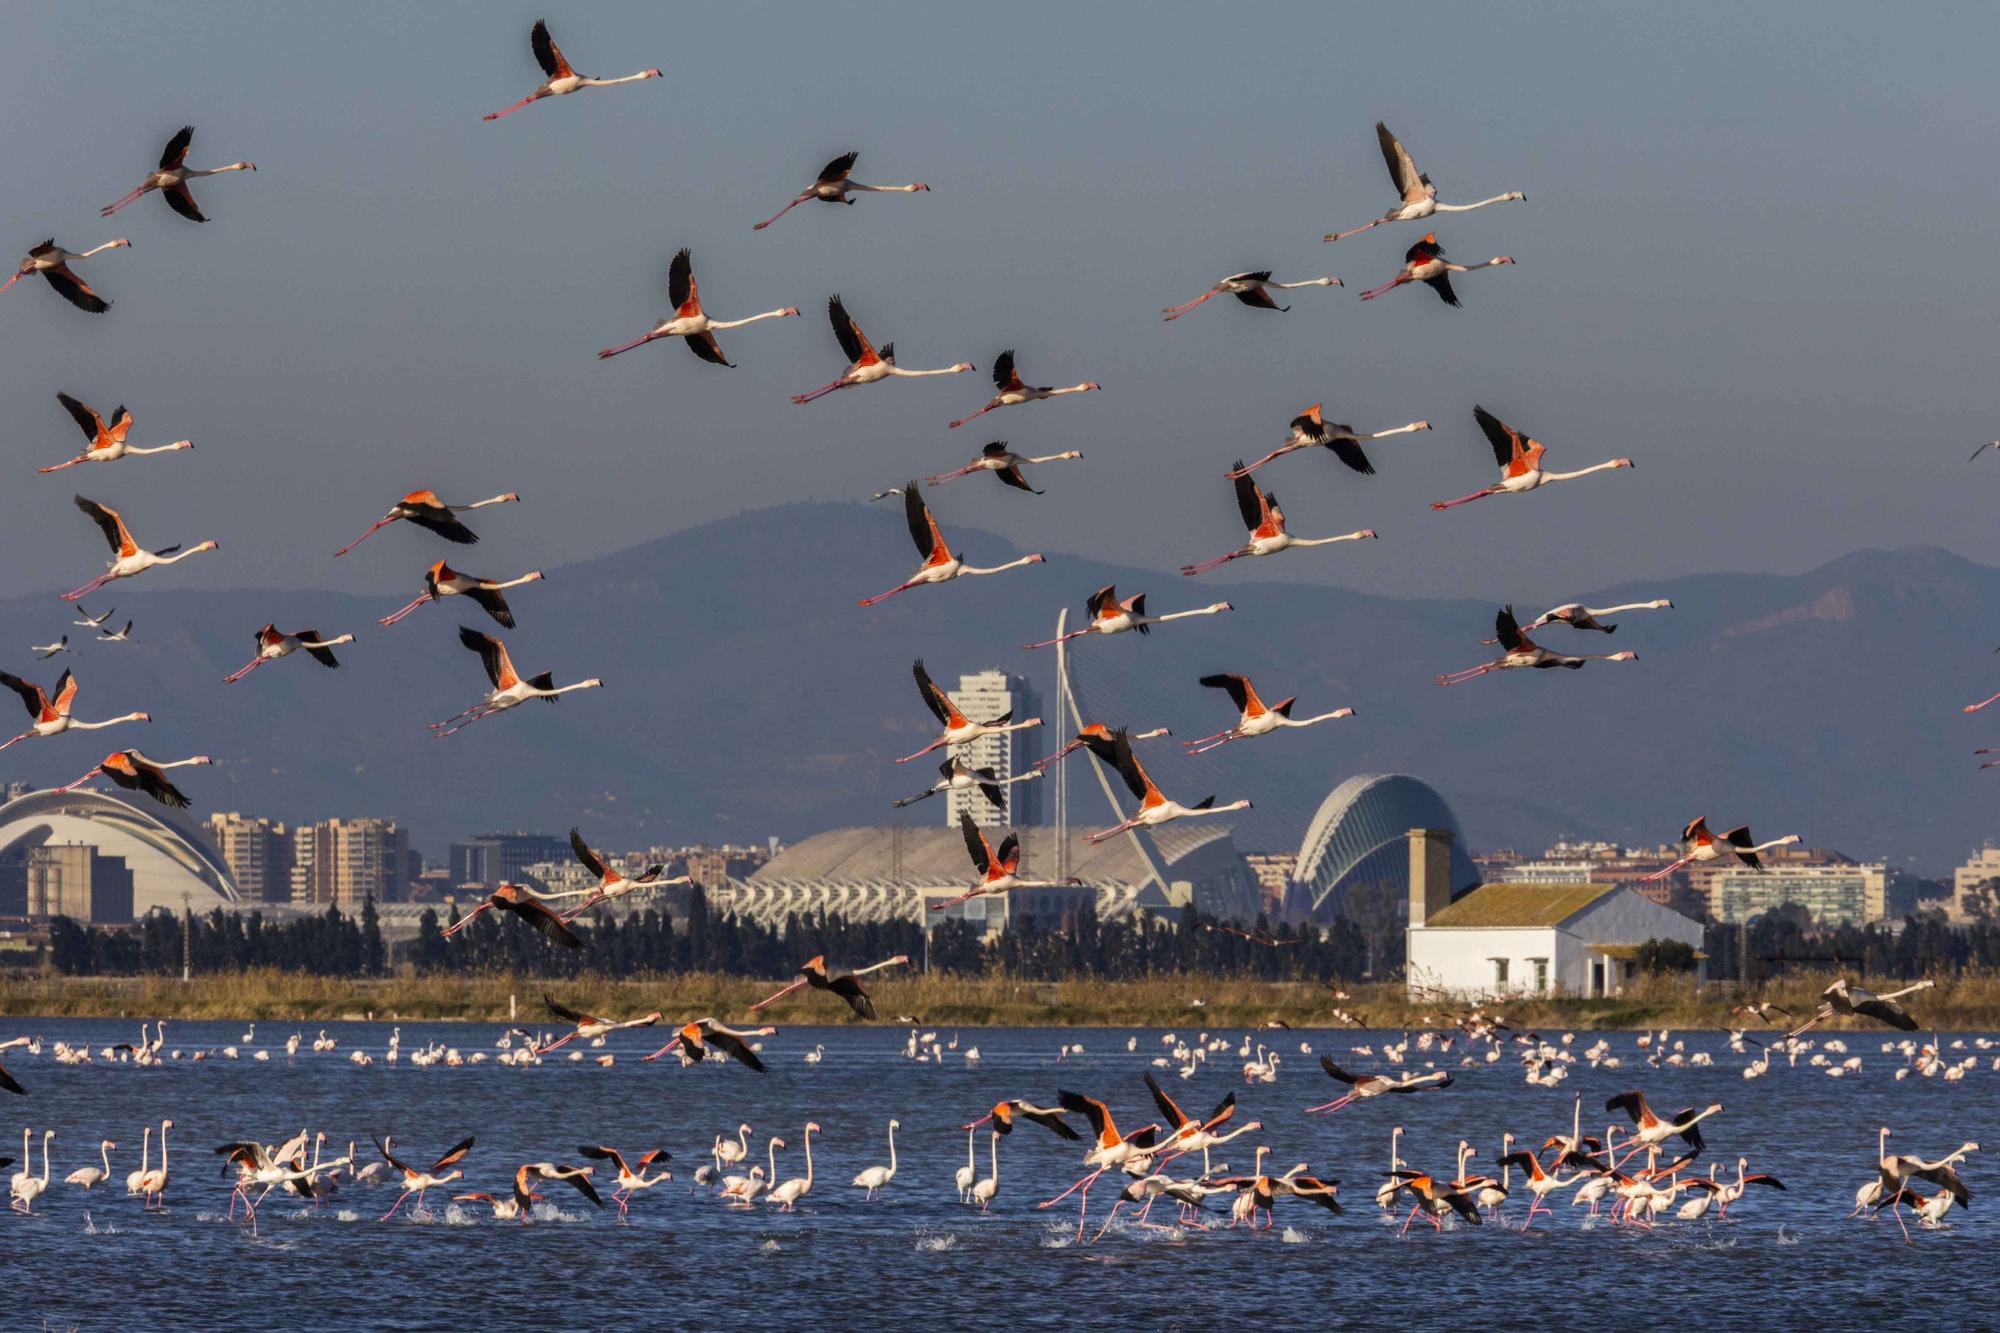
[1419,195]
[1266,525]
[1109,1150]
[1154,809]
[1010,391]
[1894,1170]
[273,643]
[51,715]
[1520,460]
[1252,289]
[940,565]
[424,509]
[689,320]
[1108,615]
[875,1177]
[834,185]
[127,556]
[509,690]
[52,262]
[983,1191]
[1425,262]
[1257,718]
[90,1177]
[135,772]
[562,80]
[865,364]
[1004,463]
[441,581]
[1310,428]
[1521,651]
[106,442]
[958,728]
[153,1183]
[172,177]
[630,1179]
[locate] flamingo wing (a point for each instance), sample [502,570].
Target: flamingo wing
[976,845]
[1004,378]
[1103,599]
[1259,297]
[175,153]
[1508,631]
[1091,1109]
[31,693]
[850,989]
[85,416]
[453,1155]
[680,278]
[547,54]
[935,699]
[1249,500]
[110,524]
[1334,1071]
[545,921]
[567,1014]
[837,169]
[924,532]
[181,200]
[492,652]
[591,860]
[705,346]
[1240,691]
[1168,1107]
[735,1046]
[75,290]
[1348,450]
[1402,171]
[1128,766]
[853,342]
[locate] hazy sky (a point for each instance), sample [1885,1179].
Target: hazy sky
[1755,256]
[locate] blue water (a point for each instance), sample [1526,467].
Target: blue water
[917,1257]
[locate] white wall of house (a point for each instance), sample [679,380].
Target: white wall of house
[1467,960]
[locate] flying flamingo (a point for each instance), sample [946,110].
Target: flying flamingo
[1520,460]
[1310,428]
[958,728]
[1108,615]
[562,79]
[1111,1148]
[1363,1086]
[847,985]
[1578,616]
[999,870]
[1419,195]
[997,458]
[865,364]
[1258,718]
[1010,390]
[1649,1130]
[696,1038]
[128,558]
[415,1182]
[1843,997]
[51,715]
[955,775]
[1266,525]
[108,635]
[689,321]
[509,689]
[1425,262]
[1252,289]
[1521,651]
[52,262]
[273,643]
[135,772]
[45,651]
[1893,1171]
[92,622]
[172,178]
[1098,737]
[834,185]
[1048,1117]
[1154,808]
[939,564]
[588,1026]
[527,905]
[1705,846]
[611,882]
[424,509]
[107,443]
[441,581]
[630,1179]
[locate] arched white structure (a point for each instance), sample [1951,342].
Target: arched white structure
[1359,836]
[166,858]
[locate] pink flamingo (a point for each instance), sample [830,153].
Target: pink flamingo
[127,556]
[1012,392]
[172,177]
[1425,262]
[1520,460]
[424,509]
[1266,524]
[1419,195]
[834,185]
[562,80]
[865,364]
[1309,428]
[52,262]
[107,443]
[1521,651]
[689,320]
[939,564]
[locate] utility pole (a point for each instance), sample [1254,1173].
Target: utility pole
[187,938]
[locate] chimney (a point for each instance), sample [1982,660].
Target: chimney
[1430,873]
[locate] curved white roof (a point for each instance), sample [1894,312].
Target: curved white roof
[166,858]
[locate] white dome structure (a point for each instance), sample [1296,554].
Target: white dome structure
[166,858]
[1360,836]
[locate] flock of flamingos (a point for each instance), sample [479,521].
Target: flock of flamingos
[1622,1169]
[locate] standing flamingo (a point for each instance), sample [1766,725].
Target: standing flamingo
[510,689]
[1154,808]
[441,581]
[1419,195]
[135,772]
[51,715]
[1252,289]
[1705,846]
[1010,390]
[172,178]
[689,320]
[939,564]
[273,643]
[1258,718]
[1108,615]
[153,1183]
[1520,460]
[1003,462]
[955,775]
[874,1178]
[958,728]
[1425,262]
[999,870]
[1266,525]
[1521,651]
[562,79]
[107,443]
[865,364]
[52,262]
[424,509]
[834,185]
[128,558]
[1310,428]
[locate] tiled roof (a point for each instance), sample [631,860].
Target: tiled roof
[1518,905]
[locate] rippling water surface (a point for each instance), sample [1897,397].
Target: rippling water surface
[917,1257]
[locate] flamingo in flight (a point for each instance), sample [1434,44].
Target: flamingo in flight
[1419,195]
[45,651]
[51,715]
[1425,262]
[273,643]
[135,772]
[940,565]
[92,622]
[1003,462]
[1578,616]
[1521,651]
[441,581]
[1048,1117]
[1843,997]
[424,509]
[958,728]
[527,905]
[1360,1087]
[108,635]
[587,1026]
[865,364]
[1010,390]
[694,1040]
[1520,460]
[612,882]
[630,1179]
[128,557]
[107,443]
[847,985]
[1736,844]
[955,775]
[172,178]
[1154,808]
[999,871]
[415,1182]
[689,320]
[1310,428]
[562,80]
[834,185]
[53,262]
[510,689]
[1266,524]
[1108,615]
[1257,717]
[1893,1170]
[1252,289]
[1110,1149]
[1097,736]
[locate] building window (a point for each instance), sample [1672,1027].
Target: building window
[975,910]
[1541,966]
[1499,973]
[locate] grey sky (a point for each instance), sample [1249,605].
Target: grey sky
[1755,257]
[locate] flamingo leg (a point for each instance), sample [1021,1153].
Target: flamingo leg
[1356,231]
[1470,673]
[89,587]
[951,902]
[495,115]
[1064,638]
[1108,1219]
[1204,566]
[23,736]
[769,1000]
[885,596]
[60,466]
[1390,286]
[1278,452]
[609,352]
[960,422]
[663,1050]
[10,282]
[109,209]
[1480,494]
[781,212]
[1111,832]
[377,526]
[400,1200]
[1176,311]
[1083,1184]
[921,753]
[235,676]
[943,477]
[821,392]
[1215,743]
[392,619]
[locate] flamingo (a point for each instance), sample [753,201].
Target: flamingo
[576,1176]
[273,643]
[865,364]
[424,509]
[1108,615]
[589,1026]
[875,1177]
[26,1186]
[1003,462]
[689,320]
[128,557]
[1520,460]
[967,1175]
[1540,1183]
[746,1190]
[1252,289]
[1310,428]
[1521,651]
[725,1151]
[1650,1130]
[1266,525]
[116,635]
[696,1038]
[1363,1086]
[1842,997]
[441,581]
[999,871]
[1010,391]
[1258,718]
[612,883]
[983,1191]
[172,177]
[1425,262]
[787,1194]
[940,565]
[1578,616]
[510,689]
[1434,1198]
[813,972]
[135,772]
[1730,1192]
[530,906]
[958,728]
[90,1177]
[1735,844]
[153,1183]
[415,1182]
[630,1180]
[89,621]
[1111,1148]
[135,1178]
[106,442]
[44,651]
[562,80]
[53,262]
[955,775]
[1186,1134]
[1154,808]
[1419,195]
[834,185]
[51,716]
[1048,1117]
[1894,1171]
[1097,736]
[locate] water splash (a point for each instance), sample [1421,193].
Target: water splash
[769,1247]
[936,1244]
[1293,1237]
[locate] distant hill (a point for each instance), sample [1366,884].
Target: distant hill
[748,695]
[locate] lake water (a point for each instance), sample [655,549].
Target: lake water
[919,1259]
